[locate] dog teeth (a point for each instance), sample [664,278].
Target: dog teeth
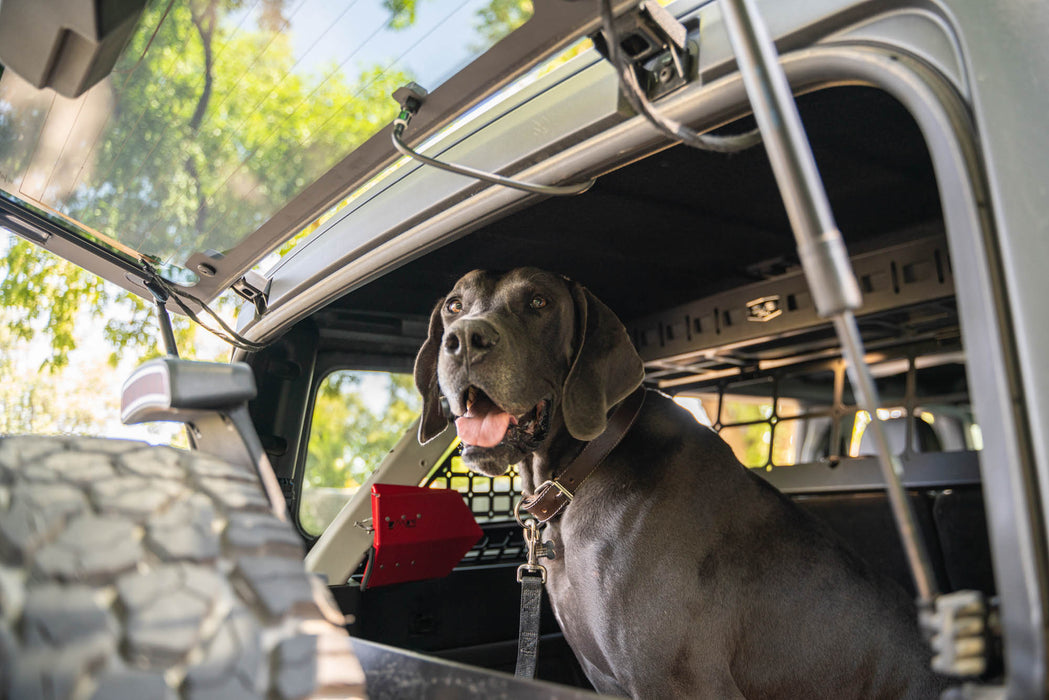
[471,397]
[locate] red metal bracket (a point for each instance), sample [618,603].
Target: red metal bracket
[419,533]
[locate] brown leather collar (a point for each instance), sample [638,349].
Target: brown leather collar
[551,497]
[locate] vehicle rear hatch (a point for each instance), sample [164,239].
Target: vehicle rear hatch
[225,129]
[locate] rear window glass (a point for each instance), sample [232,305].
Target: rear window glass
[216,115]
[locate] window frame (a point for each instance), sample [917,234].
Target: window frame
[327,363]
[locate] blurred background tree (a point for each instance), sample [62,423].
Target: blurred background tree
[176,177]
[358,418]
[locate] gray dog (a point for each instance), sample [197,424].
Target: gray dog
[678,572]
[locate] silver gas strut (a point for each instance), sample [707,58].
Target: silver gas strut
[957,624]
[820,247]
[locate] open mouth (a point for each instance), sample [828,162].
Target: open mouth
[485,424]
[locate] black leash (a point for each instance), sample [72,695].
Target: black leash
[532,577]
[528,636]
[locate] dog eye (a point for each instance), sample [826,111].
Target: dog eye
[537,302]
[454,306]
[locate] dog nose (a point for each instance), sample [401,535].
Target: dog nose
[471,338]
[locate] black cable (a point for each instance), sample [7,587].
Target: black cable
[177,295]
[230,335]
[401,123]
[635,96]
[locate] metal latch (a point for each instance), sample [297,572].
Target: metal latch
[255,288]
[537,549]
[657,46]
[961,628]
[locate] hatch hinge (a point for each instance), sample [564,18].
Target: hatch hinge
[255,288]
[657,47]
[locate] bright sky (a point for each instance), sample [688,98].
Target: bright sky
[89,385]
[353,34]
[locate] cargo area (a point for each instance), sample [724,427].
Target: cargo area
[694,252]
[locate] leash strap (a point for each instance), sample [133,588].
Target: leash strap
[528,636]
[532,576]
[551,497]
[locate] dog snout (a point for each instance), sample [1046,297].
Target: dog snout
[470,339]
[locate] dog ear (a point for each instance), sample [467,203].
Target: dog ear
[432,422]
[605,370]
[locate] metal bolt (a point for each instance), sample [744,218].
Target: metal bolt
[206,269]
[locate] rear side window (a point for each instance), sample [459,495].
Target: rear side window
[358,417]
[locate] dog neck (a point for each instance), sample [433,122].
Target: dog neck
[542,465]
[549,493]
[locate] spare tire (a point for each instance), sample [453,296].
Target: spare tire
[135,571]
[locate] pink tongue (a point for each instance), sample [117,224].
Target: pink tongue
[484,425]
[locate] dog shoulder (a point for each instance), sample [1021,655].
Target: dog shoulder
[669,423]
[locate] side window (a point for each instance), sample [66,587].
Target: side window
[358,417]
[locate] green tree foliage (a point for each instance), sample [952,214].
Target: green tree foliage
[226,131]
[501,17]
[42,405]
[496,20]
[200,162]
[751,443]
[195,119]
[402,13]
[189,160]
[357,419]
[41,296]
[48,299]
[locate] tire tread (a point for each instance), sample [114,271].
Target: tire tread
[129,570]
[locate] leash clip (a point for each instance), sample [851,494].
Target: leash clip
[536,549]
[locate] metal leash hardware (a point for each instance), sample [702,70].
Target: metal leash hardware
[532,577]
[537,549]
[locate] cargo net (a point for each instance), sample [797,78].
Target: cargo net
[491,499]
[806,413]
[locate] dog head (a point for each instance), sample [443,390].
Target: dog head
[517,354]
